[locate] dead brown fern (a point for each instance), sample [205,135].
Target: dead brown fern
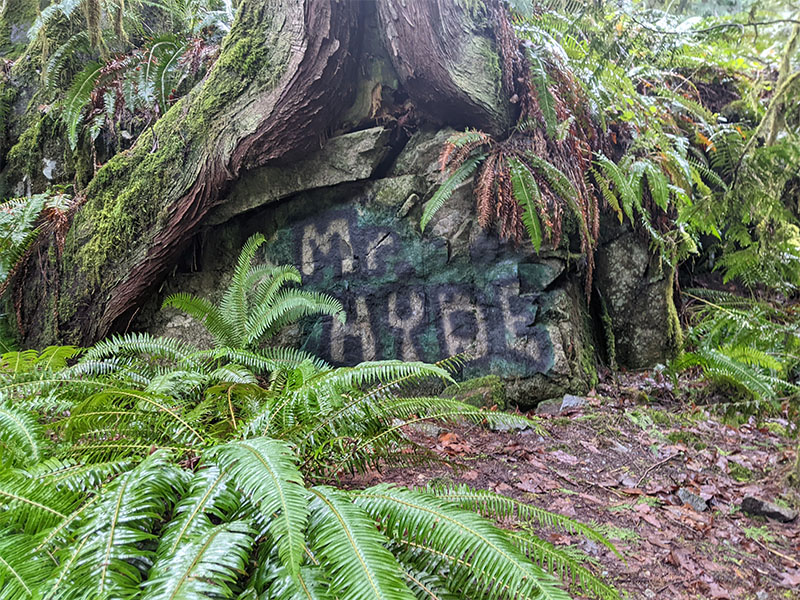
[526,183]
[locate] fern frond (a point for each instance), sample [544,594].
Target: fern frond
[270,280]
[446,190]
[495,566]
[59,59]
[145,345]
[540,81]
[497,506]
[266,470]
[368,373]
[208,494]
[204,566]
[288,306]
[63,8]
[563,564]
[22,569]
[32,506]
[527,194]
[270,359]
[206,313]
[234,306]
[77,98]
[470,138]
[22,439]
[107,558]
[309,584]
[348,544]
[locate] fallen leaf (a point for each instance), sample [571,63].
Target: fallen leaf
[682,558]
[652,520]
[717,592]
[559,539]
[565,458]
[452,443]
[469,476]
[592,499]
[791,579]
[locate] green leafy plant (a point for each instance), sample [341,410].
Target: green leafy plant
[744,342]
[171,496]
[256,305]
[22,222]
[515,189]
[130,89]
[144,467]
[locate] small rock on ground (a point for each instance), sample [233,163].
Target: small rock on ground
[693,500]
[558,406]
[762,508]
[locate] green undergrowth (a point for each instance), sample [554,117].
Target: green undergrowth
[484,391]
[145,467]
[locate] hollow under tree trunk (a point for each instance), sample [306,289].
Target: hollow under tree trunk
[285,74]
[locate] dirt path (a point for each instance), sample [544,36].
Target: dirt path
[621,463]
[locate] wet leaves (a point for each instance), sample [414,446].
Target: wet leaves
[600,465]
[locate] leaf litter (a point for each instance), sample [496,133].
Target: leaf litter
[620,463]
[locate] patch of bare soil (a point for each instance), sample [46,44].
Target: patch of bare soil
[623,462]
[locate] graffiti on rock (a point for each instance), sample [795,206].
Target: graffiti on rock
[405,298]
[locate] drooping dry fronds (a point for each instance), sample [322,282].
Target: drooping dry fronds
[459,147]
[484,191]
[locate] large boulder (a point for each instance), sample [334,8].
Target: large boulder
[350,222]
[636,289]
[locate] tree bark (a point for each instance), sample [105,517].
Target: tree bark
[285,74]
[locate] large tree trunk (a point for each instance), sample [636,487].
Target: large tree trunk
[286,73]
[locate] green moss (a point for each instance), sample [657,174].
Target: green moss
[776,428]
[688,438]
[739,473]
[674,331]
[245,57]
[492,61]
[392,192]
[125,198]
[485,391]
[608,334]
[8,94]
[25,156]
[16,18]
[131,198]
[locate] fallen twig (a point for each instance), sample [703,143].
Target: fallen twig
[655,466]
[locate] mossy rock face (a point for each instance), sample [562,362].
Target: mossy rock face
[351,226]
[454,289]
[481,392]
[16,17]
[637,289]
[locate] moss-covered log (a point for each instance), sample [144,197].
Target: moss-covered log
[287,71]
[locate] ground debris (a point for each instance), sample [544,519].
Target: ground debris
[622,466]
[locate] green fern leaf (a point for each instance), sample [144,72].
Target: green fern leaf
[22,438]
[208,494]
[266,470]
[494,565]
[352,551]
[540,81]
[77,98]
[527,194]
[204,566]
[22,570]
[446,190]
[206,313]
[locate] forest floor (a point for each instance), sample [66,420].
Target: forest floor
[619,462]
